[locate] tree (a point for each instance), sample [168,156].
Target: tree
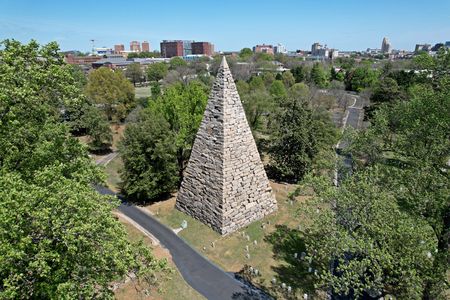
[256,105]
[155,90]
[361,78]
[277,89]
[268,78]
[97,127]
[408,142]
[256,83]
[157,71]
[177,62]
[385,91]
[59,237]
[245,53]
[111,91]
[297,138]
[373,246]
[300,73]
[319,76]
[148,151]
[134,73]
[73,248]
[288,79]
[182,106]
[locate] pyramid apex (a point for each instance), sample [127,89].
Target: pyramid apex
[224,64]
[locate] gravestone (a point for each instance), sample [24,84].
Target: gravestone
[225,185]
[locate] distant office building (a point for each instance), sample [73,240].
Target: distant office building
[204,48]
[171,48]
[279,48]
[145,46]
[386,46]
[135,46]
[102,51]
[437,47]
[422,47]
[119,48]
[187,47]
[334,53]
[447,44]
[263,49]
[315,48]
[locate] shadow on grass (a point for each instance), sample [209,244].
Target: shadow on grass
[293,271]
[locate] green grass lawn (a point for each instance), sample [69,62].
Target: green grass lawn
[275,246]
[142,92]
[276,237]
[113,173]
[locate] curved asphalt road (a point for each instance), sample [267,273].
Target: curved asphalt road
[205,277]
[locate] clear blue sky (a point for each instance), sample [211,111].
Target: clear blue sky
[231,24]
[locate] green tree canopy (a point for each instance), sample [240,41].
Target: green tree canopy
[148,151]
[319,76]
[182,107]
[288,79]
[277,89]
[373,247]
[256,105]
[298,136]
[97,127]
[157,71]
[300,73]
[361,78]
[177,62]
[59,237]
[256,83]
[111,91]
[134,73]
[245,53]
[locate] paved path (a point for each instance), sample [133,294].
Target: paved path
[205,277]
[353,119]
[104,160]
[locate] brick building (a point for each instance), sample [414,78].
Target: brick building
[119,48]
[204,48]
[263,49]
[135,46]
[145,46]
[171,48]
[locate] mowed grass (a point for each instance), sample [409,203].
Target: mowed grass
[113,169]
[276,239]
[172,288]
[229,252]
[142,92]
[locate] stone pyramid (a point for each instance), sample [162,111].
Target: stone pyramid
[225,185]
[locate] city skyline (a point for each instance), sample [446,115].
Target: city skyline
[233,25]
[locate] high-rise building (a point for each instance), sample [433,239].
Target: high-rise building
[279,48]
[263,49]
[315,49]
[145,46]
[171,48]
[422,47]
[386,46]
[204,48]
[119,48]
[135,46]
